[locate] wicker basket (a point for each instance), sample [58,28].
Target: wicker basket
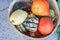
[53,5]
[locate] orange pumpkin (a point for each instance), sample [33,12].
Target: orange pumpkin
[45,26]
[40,0]
[40,8]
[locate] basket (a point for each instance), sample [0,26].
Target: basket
[52,4]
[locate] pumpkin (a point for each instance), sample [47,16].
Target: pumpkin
[40,0]
[40,8]
[46,26]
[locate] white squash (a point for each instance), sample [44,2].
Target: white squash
[18,17]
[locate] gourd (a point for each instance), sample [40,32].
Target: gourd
[21,5]
[18,17]
[31,24]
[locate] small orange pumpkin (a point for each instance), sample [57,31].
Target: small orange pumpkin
[46,26]
[40,8]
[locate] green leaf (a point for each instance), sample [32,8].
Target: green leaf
[58,4]
[59,32]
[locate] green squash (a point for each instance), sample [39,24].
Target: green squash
[31,24]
